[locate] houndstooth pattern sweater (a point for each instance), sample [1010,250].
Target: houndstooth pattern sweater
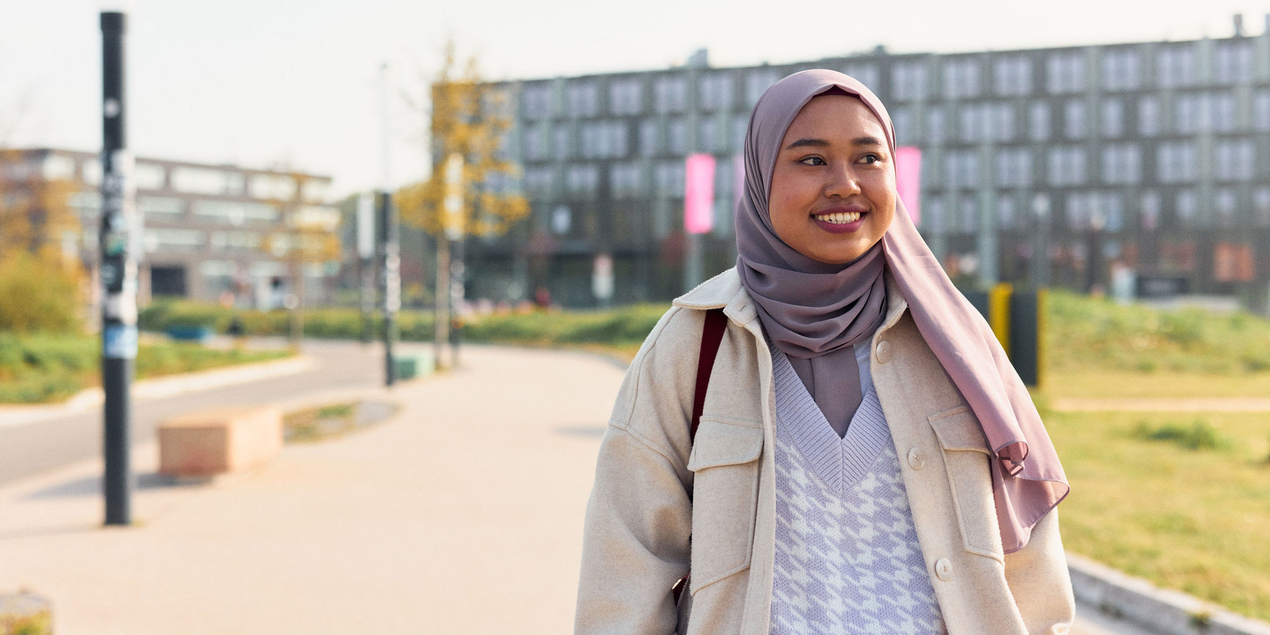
[847,558]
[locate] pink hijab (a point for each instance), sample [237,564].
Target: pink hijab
[1027,477]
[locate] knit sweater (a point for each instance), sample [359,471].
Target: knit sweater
[847,558]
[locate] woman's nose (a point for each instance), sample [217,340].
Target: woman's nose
[842,183]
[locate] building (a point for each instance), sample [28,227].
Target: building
[211,232]
[1145,158]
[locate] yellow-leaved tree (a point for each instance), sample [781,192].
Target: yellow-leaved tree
[305,236]
[469,191]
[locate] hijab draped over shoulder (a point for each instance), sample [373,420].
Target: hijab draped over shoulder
[814,312]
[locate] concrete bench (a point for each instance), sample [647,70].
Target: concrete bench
[218,441]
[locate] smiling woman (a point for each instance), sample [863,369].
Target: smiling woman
[856,454]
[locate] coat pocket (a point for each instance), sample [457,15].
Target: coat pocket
[725,468]
[966,458]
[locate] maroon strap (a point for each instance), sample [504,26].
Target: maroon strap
[711,336]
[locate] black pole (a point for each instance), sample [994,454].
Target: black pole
[117,247]
[392,280]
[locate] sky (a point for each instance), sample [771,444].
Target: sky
[298,83]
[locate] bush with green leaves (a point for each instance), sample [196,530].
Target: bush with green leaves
[37,296]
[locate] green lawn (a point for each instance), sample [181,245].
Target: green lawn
[1192,519]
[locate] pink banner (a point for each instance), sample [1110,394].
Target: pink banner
[908,180]
[699,194]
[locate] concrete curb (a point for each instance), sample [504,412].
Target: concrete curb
[1161,611]
[159,387]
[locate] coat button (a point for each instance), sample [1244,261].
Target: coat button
[943,569]
[884,352]
[915,459]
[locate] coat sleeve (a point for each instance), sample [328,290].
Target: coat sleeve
[636,538]
[1038,579]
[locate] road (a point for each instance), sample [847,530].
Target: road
[34,448]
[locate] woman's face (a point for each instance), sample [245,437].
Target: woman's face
[833,188]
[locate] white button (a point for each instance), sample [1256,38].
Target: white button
[943,569]
[915,459]
[884,352]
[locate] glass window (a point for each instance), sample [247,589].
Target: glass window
[626,96]
[165,205]
[708,139]
[1074,120]
[649,139]
[1039,121]
[160,238]
[1121,164]
[936,129]
[908,81]
[1261,203]
[1005,212]
[1235,160]
[717,91]
[961,169]
[1187,207]
[1261,111]
[1149,214]
[968,215]
[582,179]
[1012,75]
[560,142]
[757,82]
[1121,69]
[1066,166]
[1205,112]
[206,181]
[740,126]
[1224,203]
[961,78]
[535,101]
[540,182]
[272,186]
[1065,73]
[1112,118]
[1176,65]
[671,94]
[584,98]
[865,73]
[1176,162]
[60,168]
[677,136]
[626,180]
[1014,168]
[670,179]
[1149,116]
[902,120]
[149,176]
[1234,62]
[235,213]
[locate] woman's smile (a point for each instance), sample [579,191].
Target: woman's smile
[841,219]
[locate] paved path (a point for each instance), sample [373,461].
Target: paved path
[460,515]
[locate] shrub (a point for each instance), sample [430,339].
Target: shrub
[1199,436]
[37,296]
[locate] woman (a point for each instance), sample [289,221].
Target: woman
[866,461]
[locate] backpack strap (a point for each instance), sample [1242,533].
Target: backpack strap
[711,335]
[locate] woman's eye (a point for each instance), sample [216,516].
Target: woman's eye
[812,161]
[870,159]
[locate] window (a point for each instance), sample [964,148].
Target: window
[1235,160]
[1014,168]
[1005,212]
[994,122]
[1121,69]
[536,101]
[961,170]
[1234,62]
[1074,120]
[677,136]
[536,142]
[1012,76]
[236,213]
[626,180]
[1176,162]
[961,78]
[1261,203]
[968,215]
[1078,208]
[1187,207]
[1066,166]
[159,238]
[1224,203]
[604,140]
[1176,66]
[717,91]
[540,182]
[902,120]
[670,178]
[757,82]
[908,81]
[1149,214]
[649,139]
[560,141]
[584,99]
[740,126]
[206,181]
[149,176]
[1261,111]
[1205,112]
[1149,116]
[708,137]
[1065,73]
[626,97]
[164,205]
[1038,124]
[582,180]
[865,73]
[936,129]
[933,215]
[671,94]
[1121,164]
[1112,118]
[272,186]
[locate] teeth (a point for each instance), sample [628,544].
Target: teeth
[839,219]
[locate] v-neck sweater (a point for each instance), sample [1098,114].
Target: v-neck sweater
[847,559]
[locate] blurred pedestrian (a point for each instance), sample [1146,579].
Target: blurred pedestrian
[826,438]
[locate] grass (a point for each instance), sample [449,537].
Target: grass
[333,420]
[50,368]
[1182,502]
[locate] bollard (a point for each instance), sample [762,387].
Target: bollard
[1017,321]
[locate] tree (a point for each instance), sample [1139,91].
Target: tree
[304,236]
[468,125]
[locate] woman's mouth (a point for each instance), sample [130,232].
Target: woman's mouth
[841,220]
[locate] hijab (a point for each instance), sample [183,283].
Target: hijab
[813,312]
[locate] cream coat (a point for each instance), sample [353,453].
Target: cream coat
[653,488]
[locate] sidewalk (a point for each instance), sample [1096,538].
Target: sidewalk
[463,514]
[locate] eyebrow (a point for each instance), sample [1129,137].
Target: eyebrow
[821,143]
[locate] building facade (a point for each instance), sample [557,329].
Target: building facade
[1062,166]
[211,232]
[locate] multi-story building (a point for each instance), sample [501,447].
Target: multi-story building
[1144,157]
[211,232]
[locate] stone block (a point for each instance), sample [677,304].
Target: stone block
[219,441]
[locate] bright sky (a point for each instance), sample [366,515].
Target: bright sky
[296,82]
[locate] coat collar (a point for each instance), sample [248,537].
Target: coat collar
[726,291]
